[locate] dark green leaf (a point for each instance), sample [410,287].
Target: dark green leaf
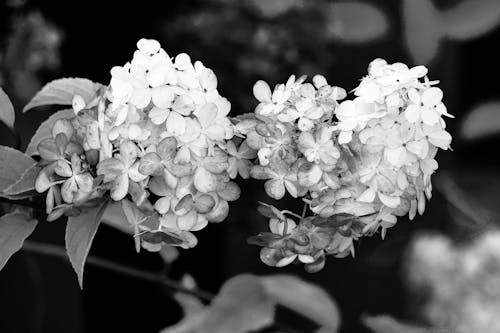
[13,164]
[114,216]
[44,131]
[7,114]
[246,303]
[80,232]
[471,18]
[482,121]
[355,22]
[61,92]
[241,306]
[26,182]
[304,298]
[422,30]
[14,229]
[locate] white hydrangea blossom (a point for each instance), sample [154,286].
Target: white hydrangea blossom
[159,140]
[359,164]
[162,135]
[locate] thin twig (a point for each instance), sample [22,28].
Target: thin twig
[60,252]
[23,202]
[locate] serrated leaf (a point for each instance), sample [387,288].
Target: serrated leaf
[422,30]
[355,22]
[13,164]
[44,131]
[14,229]
[26,182]
[482,121]
[7,113]
[387,324]
[80,232]
[471,18]
[61,92]
[304,298]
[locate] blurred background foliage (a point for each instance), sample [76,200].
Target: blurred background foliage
[437,271]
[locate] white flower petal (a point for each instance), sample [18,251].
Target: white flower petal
[367,196]
[429,116]
[149,46]
[176,124]
[389,201]
[162,96]
[412,113]
[432,96]
[158,115]
[262,91]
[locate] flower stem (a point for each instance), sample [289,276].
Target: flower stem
[304,210]
[60,252]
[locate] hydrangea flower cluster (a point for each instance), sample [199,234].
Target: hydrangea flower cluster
[157,135]
[159,140]
[358,165]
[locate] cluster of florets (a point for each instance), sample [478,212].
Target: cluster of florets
[68,164]
[291,131]
[159,139]
[158,136]
[370,158]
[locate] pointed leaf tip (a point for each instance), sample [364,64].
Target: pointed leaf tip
[80,232]
[7,114]
[14,229]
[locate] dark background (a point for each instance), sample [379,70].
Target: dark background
[39,294]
